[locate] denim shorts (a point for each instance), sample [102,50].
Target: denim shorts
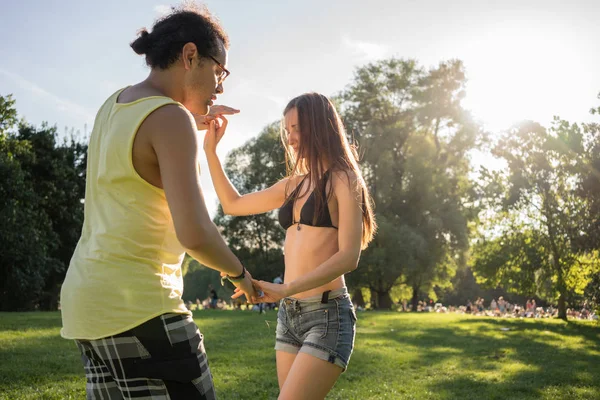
[323,330]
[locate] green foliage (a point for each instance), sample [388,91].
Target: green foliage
[587,169]
[414,137]
[8,113]
[539,216]
[26,236]
[197,279]
[42,183]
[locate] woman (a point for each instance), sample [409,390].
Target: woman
[325,208]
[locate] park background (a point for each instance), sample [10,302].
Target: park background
[477,124]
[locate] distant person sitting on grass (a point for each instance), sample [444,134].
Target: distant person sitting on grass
[213,297]
[278,280]
[144,208]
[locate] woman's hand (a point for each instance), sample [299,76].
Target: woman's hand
[214,134]
[272,292]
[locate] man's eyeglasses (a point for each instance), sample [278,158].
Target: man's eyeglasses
[224,71]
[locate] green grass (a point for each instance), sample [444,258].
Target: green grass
[397,356]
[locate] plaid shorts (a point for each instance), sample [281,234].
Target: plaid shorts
[164,358]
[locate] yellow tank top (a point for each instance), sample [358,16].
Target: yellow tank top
[126,268]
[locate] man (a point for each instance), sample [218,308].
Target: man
[121,299]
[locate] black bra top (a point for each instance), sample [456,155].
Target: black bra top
[286,212]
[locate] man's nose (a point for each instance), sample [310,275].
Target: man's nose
[220,88]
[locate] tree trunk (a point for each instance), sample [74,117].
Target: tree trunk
[562,292]
[50,297]
[562,307]
[357,298]
[384,300]
[435,136]
[374,304]
[415,298]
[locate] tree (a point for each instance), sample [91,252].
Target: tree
[57,173]
[530,244]
[42,184]
[8,114]
[414,137]
[26,236]
[588,187]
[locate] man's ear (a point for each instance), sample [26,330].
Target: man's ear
[188,53]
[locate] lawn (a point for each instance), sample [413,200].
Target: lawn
[397,356]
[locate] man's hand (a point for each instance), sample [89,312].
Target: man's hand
[202,121]
[244,287]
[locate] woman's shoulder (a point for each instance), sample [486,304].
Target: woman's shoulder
[344,176]
[294,179]
[290,183]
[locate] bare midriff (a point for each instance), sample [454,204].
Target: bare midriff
[305,250]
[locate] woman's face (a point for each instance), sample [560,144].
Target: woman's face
[292,130]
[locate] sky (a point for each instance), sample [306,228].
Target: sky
[524,59]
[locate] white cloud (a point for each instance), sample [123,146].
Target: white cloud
[59,103]
[365,50]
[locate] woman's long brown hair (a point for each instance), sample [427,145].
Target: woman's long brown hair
[323,138]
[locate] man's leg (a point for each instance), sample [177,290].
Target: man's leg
[163,358]
[99,382]
[179,357]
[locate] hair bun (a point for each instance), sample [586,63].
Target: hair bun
[142,44]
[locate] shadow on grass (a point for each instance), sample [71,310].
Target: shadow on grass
[530,360]
[396,356]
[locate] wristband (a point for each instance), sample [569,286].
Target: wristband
[234,279]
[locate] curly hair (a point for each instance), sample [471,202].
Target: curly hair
[189,22]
